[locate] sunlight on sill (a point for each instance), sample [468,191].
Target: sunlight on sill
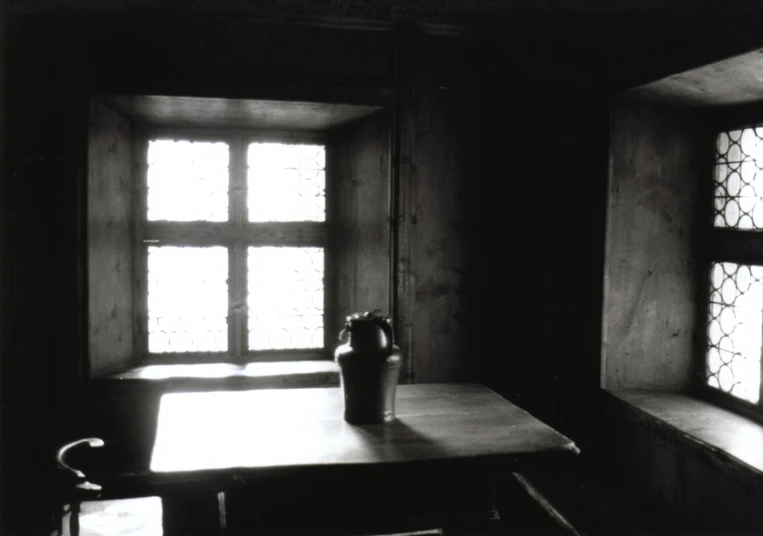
[229,370]
[206,370]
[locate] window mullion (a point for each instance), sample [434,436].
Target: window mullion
[237,298]
[760,372]
[238,217]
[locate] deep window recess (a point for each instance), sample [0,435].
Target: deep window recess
[735,306]
[231,237]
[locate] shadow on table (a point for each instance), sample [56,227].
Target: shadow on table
[397,441]
[409,481]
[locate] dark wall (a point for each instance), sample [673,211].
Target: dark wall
[539,225]
[499,178]
[43,293]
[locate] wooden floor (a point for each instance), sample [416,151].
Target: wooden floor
[133,517]
[142,517]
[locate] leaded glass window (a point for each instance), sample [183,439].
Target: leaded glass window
[232,243]
[286,182]
[735,283]
[198,170]
[285,293]
[736,329]
[187,299]
[739,179]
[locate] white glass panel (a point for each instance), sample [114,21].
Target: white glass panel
[286,182]
[187,181]
[285,298]
[187,299]
[735,330]
[739,179]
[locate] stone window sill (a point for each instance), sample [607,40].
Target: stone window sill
[720,432]
[223,376]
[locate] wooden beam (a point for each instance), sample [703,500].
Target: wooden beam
[403,198]
[733,245]
[226,233]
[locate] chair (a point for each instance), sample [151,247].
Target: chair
[89,510]
[74,488]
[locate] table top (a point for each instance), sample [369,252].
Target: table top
[305,427]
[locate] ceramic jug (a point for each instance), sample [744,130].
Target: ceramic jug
[369,363]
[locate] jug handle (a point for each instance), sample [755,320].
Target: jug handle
[386,326]
[343,333]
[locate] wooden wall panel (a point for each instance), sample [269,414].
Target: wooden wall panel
[442,175]
[403,196]
[438,188]
[110,240]
[361,231]
[649,304]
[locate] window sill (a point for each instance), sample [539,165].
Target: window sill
[223,376]
[726,435]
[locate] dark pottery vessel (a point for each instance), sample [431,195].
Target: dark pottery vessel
[370,366]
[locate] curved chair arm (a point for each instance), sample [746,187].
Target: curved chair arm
[83,486]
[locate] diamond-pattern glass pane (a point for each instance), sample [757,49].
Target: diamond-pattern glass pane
[735,331]
[187,299]
[286,182]
[187,181]
[285,298]
[738,197]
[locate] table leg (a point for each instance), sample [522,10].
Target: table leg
[191,513]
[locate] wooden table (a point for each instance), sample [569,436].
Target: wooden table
[246,443]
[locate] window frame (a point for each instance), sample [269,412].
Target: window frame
[717,244]
[237,234]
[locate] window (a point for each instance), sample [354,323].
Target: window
[226,230]
[735,305]
[230,248]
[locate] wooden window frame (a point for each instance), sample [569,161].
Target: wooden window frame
[237,234]
[717,244]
